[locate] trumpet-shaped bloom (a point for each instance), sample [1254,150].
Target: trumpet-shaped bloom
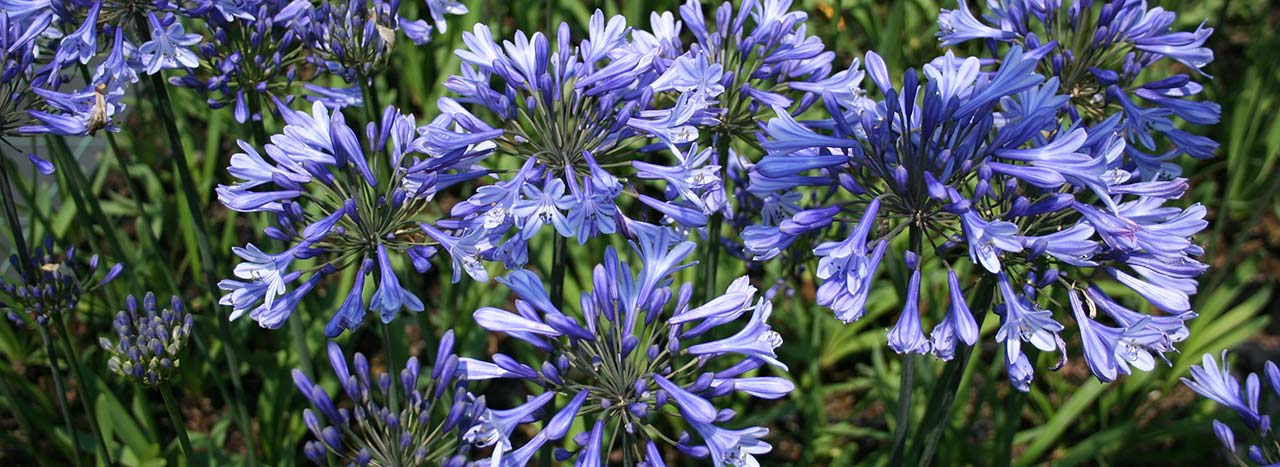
[637,347]
[335,212]
[581,113]
[434,413]
[972,159]
[1102,51]
[1215,382]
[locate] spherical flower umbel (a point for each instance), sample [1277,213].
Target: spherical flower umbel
[634,345]
[32,100]
[150,341]
[580,116]
[972,163]
[422,426]
[1105,56]
[354,39]
[54,285]
[340,203]
[1216,383]
[764,54]
[251,55]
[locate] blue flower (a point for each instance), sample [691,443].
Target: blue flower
[906,336]
[1023,321]
[959,25]
[847,268]
[576,112]
[149,345]
[52,284]
[958,324]
[542,206]
[435,410]
[168,47]
[494,427]
[252,53]
[82,44]
[732,447]
[643,344]
[333,209]
[354,39]
[965,157]
[439,8]
[1217,384]
[1100,51]
[390,297]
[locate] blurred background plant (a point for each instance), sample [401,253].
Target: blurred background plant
[843,411]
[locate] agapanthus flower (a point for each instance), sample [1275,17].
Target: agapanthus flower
[342,203]
[150,341]
[353,39]
[1216,383]
[762,55]
[418,423]
[37,97]
[973,163]
[153,37]
[750,59]
[1111,59]
[635,344]
[252,55]
[581,114]
[169,46]
[18,40]
[52,284]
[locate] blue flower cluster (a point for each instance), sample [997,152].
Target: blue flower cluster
[81,32]
[576,117]
[415,424]
[1034,177]
[973,162]
[51,285]
[343,204]
[243,46]
[639,345]
[149,344]
[353,39]
[252,54]
[1217,384]
[1099,51]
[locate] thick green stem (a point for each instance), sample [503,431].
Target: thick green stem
[372,112]
[63,404]
[255,124]
[916,233]
[188,184]
[559,264]
[942,397]
[904,408]
[393,395]
[15,224]
[86,393]
[713,231]
[175,417]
